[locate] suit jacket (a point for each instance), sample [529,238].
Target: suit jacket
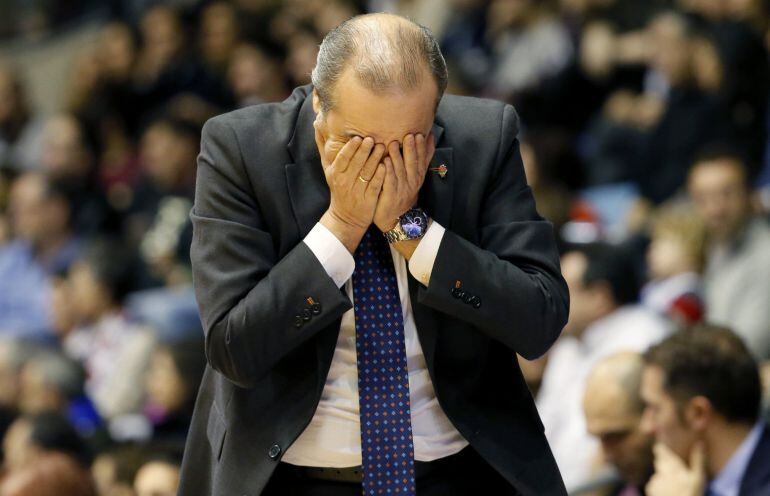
[260,189]
[756,479]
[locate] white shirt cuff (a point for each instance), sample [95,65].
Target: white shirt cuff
[331,253]
[424,256]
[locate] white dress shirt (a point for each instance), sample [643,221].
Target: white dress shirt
[333,437]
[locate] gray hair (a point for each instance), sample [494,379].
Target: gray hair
[59,372]
[384,51]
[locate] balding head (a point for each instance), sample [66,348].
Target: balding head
[613,411]
[385,52]
[612,391]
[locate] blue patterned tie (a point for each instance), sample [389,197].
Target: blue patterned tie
[387,451]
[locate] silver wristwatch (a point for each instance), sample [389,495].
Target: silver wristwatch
[412,225]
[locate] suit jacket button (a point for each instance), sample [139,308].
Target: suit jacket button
[274,452]
[298,322]
[476,302]
[306,315]
[315,308]
[456,292]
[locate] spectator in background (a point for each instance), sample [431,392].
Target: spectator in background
[69,159]
[613,409]
[219,34]
[43,245]
[158,477]
[691,117]
[114,351]
[51,382]
[158,221]
[674,261]
[737,270]
[166,68]
[32,436]
[255,77]
[52,474]
[744,92]
[20,129]
[172,384]
[604,319]
[701,389]
[115,469]
[529,45]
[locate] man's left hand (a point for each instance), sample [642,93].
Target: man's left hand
[672,475]
[404,175]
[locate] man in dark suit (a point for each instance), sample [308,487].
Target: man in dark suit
[368,260]
[702,396]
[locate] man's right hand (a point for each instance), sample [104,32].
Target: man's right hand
[355,177]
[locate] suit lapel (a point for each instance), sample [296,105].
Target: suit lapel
[436,199]
[308,192]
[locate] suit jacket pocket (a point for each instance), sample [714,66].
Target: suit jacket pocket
[216,428]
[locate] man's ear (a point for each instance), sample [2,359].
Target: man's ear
[698,413]
[316,102]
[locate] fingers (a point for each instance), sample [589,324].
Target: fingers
[411,157]
[391,181]
[360,157]
[398,162]
[346,154]
[375,185]
[369,168]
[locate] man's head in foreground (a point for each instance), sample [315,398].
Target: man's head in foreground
[613,411]
[700,386]
[378,76]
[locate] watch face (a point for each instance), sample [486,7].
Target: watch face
[414,223]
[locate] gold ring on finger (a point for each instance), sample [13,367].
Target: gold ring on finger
[365,181]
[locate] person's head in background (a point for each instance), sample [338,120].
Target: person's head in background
[158,477]
[39,212]
[162,41]
[68,154]
[52,474]
[175,373]
[101,279]
[671,50]
[677,238]
[13,355]
[219,33]
[116,51]
[613,410]
[169,148]
[32,436]
[14,109]
[709,10]
[701,385]
[49,380]
[115,469]
[255,77]
[719,189]
[601,278]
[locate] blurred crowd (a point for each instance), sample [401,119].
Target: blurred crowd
[645,137]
